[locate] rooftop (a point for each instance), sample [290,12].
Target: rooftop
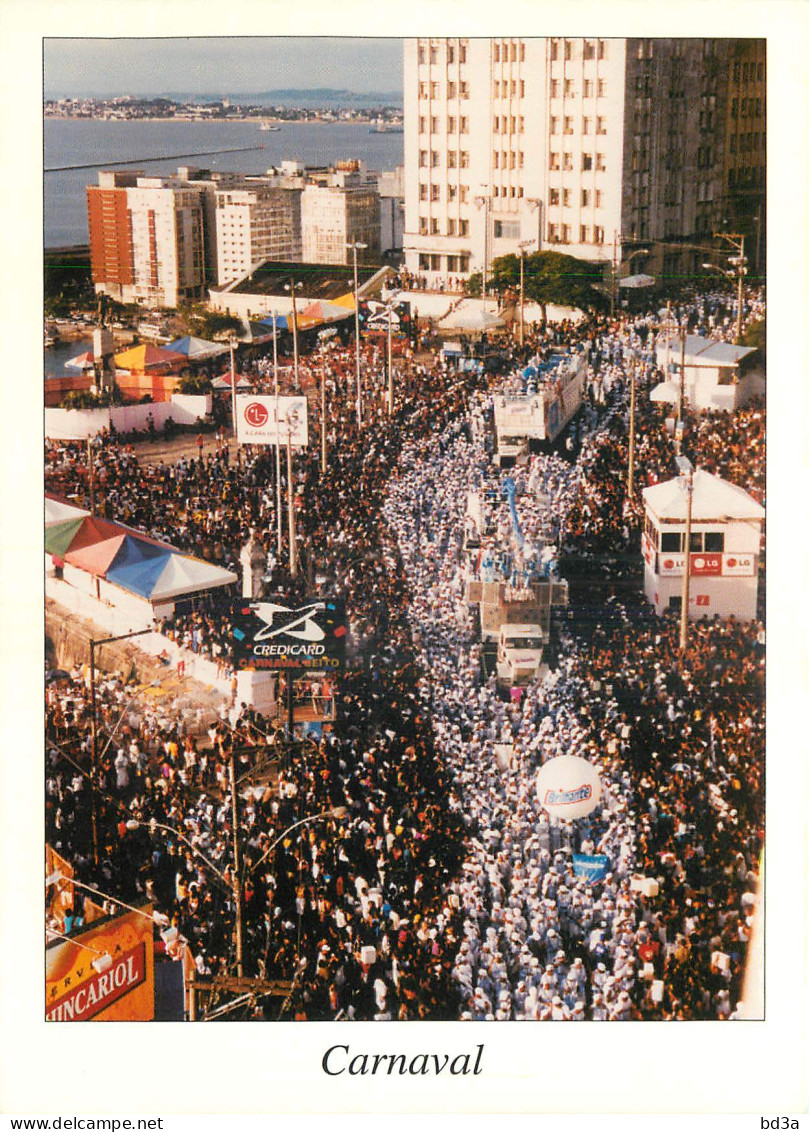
[320,280]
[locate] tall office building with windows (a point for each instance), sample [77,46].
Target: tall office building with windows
[595,147]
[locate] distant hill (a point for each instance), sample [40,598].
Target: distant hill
[294,97]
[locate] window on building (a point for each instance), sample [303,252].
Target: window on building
[435,158]
[423,226]
[584,234]
[450,53]
[602,49]
[587,89]
[553,161]
[568,49]
[522,52]
[568,125]
[435,89]
[463,227]
[496,124]
[671,542]
[452,192]
[602,88]
[554,88]
[434,229]
[565,233]
[422,192]
[554,50]
[434,125]
[569,88]
[589,51]
[586,196]
[423,158]
[464,90]
[452,159]
[424,262]
[496,159]
[463,192]
[435,192]
[566,198]
[521,162]
[601,125]
[715,542]
[507,229]
[452,225]
[521,129]
[553,196]
[598,235]
[554,125]
[452,90]
[586,162]
[422,125]
[462,53]
[451,125]
[585,125]
[433,55]
[464,125]
[464,159]
[553,233]
[568,162]
[600,163]
[497,52]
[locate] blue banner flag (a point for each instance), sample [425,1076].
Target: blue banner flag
[591,868]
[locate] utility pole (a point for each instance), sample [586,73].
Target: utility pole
[323,454]
[681,398]
[614,272]
[355,246]
[687,474]
[390,358]
[292,286]
[523,246]
[630,479]
[278,507]
[231,340]
[91,475]
[293,550]
[237,883]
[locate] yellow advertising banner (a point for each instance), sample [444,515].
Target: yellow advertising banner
[123,992]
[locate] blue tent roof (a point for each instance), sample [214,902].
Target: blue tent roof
[196,347]
[280,321]
[137,566]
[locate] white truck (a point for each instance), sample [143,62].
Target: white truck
[523,418]
[519,654]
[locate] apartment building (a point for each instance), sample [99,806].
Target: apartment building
[146,239]
[596,147]
[254,223]
[338,208]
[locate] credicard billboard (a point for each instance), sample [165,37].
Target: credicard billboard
[122,991]
[271,420]
[270,634]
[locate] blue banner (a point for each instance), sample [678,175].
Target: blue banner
[591,868]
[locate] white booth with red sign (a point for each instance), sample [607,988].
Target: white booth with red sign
[724,551]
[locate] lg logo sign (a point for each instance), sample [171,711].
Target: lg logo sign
[256,415]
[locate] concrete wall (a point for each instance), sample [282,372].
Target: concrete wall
[78,424]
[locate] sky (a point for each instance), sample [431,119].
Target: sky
[75,67]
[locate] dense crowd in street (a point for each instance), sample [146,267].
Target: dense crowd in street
[433,885]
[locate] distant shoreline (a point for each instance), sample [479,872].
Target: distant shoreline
[215,121]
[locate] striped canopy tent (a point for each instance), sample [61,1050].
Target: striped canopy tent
[346,301]
[196,349]
[255,333]
[133,561]
[147,357]
[321,311]
[224,382]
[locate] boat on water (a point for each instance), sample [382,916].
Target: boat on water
[269,126]
[381,127]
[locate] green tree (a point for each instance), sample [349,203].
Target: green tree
[207,324]
[756,335]
[195,383]
[550,277]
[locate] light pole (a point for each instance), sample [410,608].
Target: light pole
[687,483]
[94,643]
[482,201]
[334,812]
[231,344]
[293,550]
[630,477]
[278,523]
[391,300]
[738,264]
[292,287]
[523,246]
[355,247]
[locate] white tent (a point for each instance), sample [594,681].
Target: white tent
[633,281]
[470,318]
[665,391]
[184,575]
[713,500]
[58,512]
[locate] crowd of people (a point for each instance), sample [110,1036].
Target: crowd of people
[432,884]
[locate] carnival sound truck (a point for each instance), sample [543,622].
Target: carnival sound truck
[514,588]
[537,405]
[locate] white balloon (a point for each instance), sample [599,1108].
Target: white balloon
[568,787]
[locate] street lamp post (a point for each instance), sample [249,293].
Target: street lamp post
[334,812]
[94,643]
[278,522]
[292,287]
[482,201]
[390,354]
[523,246]
[355,247]
[293,550]
[687,473]
[630,477]
[616,241]
[231,344]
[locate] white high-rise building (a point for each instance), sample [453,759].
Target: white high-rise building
[255,223]
[594,147]
[339,208]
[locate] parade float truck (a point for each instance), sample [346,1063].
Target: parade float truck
[519,654]
[513,587]
[537,405]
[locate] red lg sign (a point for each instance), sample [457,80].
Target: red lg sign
[256,415]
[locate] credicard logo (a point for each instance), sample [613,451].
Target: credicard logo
[268,612]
